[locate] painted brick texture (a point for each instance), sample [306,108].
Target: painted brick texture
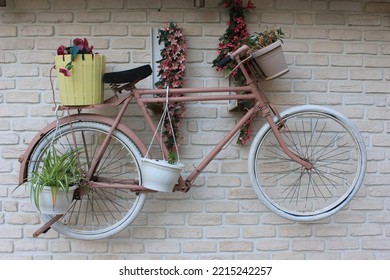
[338,54]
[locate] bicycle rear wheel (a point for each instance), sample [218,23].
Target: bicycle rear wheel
[97,212]
[325,138]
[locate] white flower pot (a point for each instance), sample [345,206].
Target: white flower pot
[62,203]
[270,61]
[159,175]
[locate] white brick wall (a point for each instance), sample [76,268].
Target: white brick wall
[338,53]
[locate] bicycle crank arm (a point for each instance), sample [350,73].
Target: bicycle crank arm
[45,228]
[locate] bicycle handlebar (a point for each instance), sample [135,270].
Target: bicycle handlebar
[224,61]
[227,59]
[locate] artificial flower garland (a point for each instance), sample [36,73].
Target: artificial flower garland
[80,46]
[236,33]
[233,38]
[172,71]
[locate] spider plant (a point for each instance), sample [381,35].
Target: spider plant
[57,171]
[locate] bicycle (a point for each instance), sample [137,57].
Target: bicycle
[305,163]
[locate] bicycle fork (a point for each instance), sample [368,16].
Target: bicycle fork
[265,107]
[278,130]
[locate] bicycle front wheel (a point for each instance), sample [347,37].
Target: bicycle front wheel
[321,136]
[95,212]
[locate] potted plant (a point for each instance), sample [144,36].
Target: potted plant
[161,175]
[80,74]
[266,51]
[260,40]
[53,184]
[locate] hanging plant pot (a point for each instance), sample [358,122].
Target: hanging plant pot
[270,61]
[85,85]
[159,175]
[62,203]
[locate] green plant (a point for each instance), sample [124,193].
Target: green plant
[265,38]
[58,171]
[172,158]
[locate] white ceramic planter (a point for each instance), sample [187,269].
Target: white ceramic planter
[159,175]
[270,61]
[62,203]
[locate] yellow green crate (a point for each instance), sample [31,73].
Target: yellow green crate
[85,86]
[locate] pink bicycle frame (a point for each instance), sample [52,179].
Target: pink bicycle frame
[255,93]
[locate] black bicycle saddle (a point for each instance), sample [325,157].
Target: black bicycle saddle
[128,76]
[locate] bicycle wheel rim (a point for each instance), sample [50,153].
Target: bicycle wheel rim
[298,194]
[99,213]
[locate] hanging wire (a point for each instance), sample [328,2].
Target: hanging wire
[160,127]
[57,124]
[52,85]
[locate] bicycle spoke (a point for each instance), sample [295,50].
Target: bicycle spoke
[97,212]
[294,191]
